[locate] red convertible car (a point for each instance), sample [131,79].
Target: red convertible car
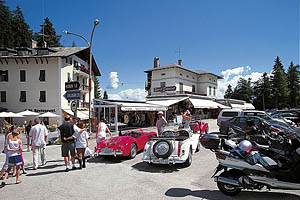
[127,144]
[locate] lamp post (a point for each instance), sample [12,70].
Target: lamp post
[96,22]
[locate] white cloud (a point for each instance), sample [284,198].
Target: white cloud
[232,76]
[138,94]
[114,80]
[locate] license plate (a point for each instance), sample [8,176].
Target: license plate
[107,150]
[160,160]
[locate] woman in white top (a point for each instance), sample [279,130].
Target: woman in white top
[101,131]
[14,147]
[81,143]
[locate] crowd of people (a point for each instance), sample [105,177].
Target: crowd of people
[74,138]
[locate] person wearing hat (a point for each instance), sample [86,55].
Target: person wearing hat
[186,119]
[161,123]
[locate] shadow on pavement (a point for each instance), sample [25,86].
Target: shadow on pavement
[107,159]
[217,195]
[152,168]
[47,173]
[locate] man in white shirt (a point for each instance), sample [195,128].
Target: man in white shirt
[39,134]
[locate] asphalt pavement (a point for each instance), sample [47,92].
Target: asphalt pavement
[121,178]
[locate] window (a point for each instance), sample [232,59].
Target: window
[42,96]
[230,114]
[209,90]
[3,75]
[180,74]
[22,75]
[162,84]
[69,60]
[42,75]
[193,88]
[187,76]
[214,91]
[162,74]
[83,81]
[180,87]
[193,77]
[69,76]
[22,96]
[3,96]
[77,78]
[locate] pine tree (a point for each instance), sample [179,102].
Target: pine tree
[243,90]
[21,30]
[294,85]
[262,95]
[229,92]
[105,96]
[6,32]
[47,34]
[280,88]
[97,88]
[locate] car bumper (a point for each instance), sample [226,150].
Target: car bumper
[113,153]
[166,161]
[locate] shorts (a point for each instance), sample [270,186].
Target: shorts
[66,148]
[14,161]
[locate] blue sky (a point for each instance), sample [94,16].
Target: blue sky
[214,35]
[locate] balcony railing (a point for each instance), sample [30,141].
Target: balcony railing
[85,88]
[83,69]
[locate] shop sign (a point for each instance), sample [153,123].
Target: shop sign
[163,89]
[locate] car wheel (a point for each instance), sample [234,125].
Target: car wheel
[162,149]
[198,145]
[133,151]
[189,160]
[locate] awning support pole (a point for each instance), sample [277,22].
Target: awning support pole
[116,118]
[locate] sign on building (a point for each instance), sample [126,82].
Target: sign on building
[74,85]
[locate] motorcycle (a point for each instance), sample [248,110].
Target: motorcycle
[245,168]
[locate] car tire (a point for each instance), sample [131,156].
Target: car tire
[198,145]
[133,151]
[166,155]
[189,160]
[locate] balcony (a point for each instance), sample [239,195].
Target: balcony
[82,70]
[84,104]
[85,88]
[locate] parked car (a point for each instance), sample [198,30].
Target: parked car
[126,144]
[227,114]
[172,147]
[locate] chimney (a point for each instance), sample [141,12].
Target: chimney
[179,62]
[156,63]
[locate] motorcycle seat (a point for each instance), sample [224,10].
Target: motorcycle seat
[260,146]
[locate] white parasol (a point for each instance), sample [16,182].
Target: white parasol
[49,114]
[28,113]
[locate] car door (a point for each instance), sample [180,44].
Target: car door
[141,140]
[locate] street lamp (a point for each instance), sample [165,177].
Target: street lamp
[96,22]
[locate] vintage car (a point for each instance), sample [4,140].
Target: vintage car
[126,144]
[173,147]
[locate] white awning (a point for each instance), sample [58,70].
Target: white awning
[205,103]
[80,114]
[141,107]
[166,102]
[242,106]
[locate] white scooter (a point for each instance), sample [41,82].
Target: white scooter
[244,168]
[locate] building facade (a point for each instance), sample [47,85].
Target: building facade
[172,79]
[34,79]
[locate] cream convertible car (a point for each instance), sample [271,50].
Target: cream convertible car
[172,147]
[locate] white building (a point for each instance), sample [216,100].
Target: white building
[35,79]
[172,79]
[180,88]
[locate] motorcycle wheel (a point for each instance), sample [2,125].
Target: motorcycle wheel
[227,189]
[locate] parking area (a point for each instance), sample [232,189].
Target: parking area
[115,178]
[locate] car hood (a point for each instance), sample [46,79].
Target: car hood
[115,141]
